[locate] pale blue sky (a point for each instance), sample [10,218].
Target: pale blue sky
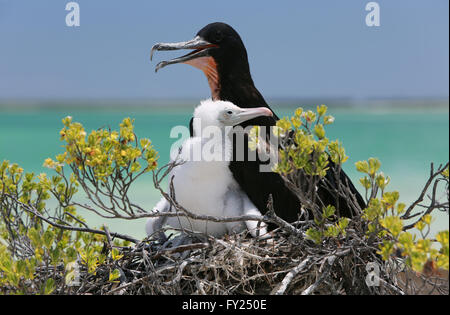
[309,48]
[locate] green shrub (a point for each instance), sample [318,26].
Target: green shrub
[46,249]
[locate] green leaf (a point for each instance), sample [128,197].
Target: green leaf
[406,241]
[115,274]
[390,199]
[420,225]
[392,223]
[314,235]
[401,208]
[319,131]
[365,182]
[374,165]
[21,267]
[67,121]
[445,172]
[382,181]
[35,237]
[115,254]
[284,124]
[321,110]
[48,238]
[332,231]
[55,255]
[386,249]
[362,166]
[296,122]
[328,211]
[49,286]
[343,223]
[298,112]
[427,219]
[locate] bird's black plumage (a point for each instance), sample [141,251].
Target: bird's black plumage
[228,55]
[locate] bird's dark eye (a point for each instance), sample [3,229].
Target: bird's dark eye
[229,112]
[218,36]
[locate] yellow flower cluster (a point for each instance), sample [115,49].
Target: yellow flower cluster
[104,152]
[310,149]
[384,217]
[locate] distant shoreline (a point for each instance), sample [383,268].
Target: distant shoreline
[440,104]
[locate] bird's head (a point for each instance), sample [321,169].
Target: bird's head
[223,113]
[217,50]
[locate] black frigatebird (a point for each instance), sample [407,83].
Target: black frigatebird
[219,52]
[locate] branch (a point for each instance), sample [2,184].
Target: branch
[433,175]
[34,211]
[291,275]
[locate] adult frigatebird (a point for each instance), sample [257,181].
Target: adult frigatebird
[219,52]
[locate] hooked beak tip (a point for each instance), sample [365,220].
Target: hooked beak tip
[269,113]
[159,66]
[152,51]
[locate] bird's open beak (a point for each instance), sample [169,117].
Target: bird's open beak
[250,113]
[200,48]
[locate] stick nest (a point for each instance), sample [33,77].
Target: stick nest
[196,264]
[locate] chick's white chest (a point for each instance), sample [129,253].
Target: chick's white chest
[201,187]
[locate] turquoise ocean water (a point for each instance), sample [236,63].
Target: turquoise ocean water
[405,141]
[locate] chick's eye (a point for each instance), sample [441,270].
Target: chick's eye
[229,112]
